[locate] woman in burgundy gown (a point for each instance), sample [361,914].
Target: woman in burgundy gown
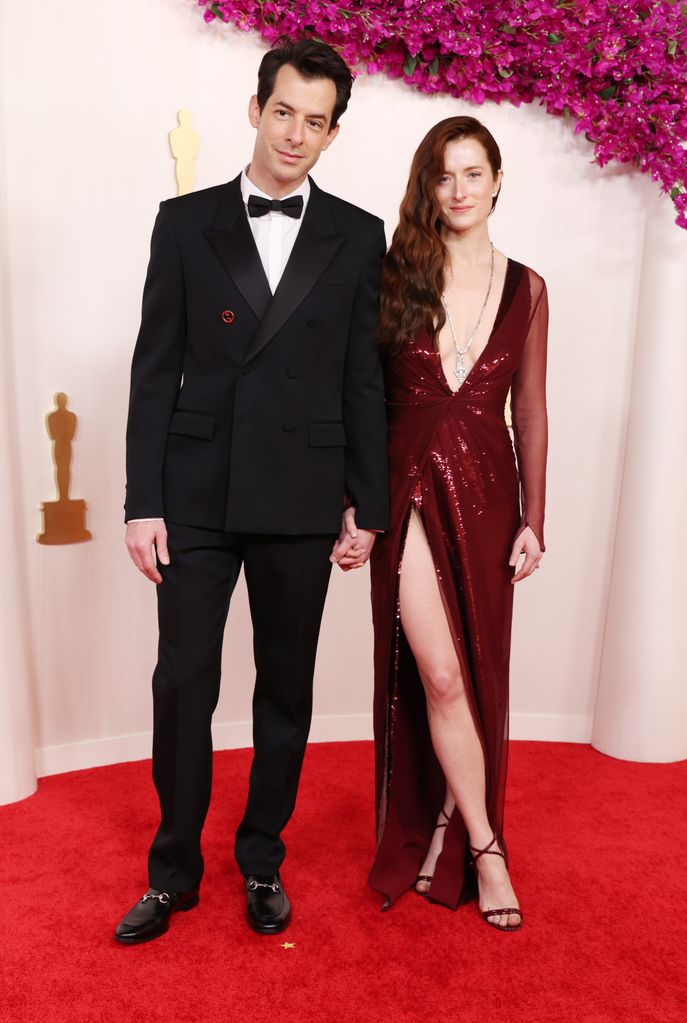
[461,326]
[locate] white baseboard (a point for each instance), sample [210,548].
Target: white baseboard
[324,728]
[76,756]
[118,749]
[551,727]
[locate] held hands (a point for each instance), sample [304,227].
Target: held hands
[140,538]
[525,543]
[354,546]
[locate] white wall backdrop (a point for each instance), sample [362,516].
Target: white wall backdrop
[89,94]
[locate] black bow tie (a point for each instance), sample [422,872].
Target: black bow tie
[258,207]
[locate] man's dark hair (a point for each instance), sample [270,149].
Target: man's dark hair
[311,59]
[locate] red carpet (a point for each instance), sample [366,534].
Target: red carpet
[598,854]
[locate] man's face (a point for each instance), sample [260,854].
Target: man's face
[292,130]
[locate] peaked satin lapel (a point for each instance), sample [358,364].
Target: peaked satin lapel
[313,251]
[233,242]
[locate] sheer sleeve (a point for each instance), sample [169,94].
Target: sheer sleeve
[530,426]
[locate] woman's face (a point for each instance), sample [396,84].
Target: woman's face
[464,192]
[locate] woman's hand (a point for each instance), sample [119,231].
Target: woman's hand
[525,543]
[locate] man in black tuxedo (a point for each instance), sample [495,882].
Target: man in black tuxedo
[256,414]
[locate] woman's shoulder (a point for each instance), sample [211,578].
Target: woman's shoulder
[536,281]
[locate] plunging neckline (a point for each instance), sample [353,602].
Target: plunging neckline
[480,357]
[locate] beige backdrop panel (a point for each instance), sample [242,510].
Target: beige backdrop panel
[90,98]
[641,705]
[17,769]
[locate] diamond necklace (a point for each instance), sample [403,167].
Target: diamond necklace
[460,371]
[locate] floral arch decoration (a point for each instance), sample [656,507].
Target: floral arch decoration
[617,69]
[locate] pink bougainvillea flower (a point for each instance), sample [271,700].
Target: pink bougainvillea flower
[617,68]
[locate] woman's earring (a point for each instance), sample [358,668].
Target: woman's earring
[494,194]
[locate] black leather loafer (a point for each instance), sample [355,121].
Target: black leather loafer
[269,910]
[149,918]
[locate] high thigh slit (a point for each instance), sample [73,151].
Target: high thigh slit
[430,612]
[451,458]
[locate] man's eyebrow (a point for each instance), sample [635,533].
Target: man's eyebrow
[287,106]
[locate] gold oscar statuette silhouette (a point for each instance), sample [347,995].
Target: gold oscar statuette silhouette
[64,520]
[184,143]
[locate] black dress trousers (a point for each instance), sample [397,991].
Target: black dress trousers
[287,579]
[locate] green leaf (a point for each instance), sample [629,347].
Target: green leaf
[508,29]
[609,92]
[671,47]
[410,65]
[554,38]
[642,15]
[434,67]
[505,72]
[675,191]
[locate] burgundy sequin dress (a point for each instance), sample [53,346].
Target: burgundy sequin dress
[451,458]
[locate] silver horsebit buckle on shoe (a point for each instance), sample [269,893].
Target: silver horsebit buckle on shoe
[162,898]
[254,885]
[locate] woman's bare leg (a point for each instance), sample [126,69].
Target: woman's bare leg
[454,735]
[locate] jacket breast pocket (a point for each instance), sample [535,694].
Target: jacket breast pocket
[193,424]
[327,435]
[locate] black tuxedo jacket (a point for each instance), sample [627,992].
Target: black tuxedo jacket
[251,412]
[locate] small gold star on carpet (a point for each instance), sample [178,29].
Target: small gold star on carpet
[289,944]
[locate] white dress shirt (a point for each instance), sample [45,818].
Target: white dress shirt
[275,235]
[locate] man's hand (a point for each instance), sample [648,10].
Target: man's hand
[354,546]
[140,538]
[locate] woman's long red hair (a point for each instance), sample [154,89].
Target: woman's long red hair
[413,269]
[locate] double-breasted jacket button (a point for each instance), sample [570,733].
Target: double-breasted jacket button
[245,370]
[228,316]
[288,426]
[292,372]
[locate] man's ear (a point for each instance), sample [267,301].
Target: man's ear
[254,111]
[330,138]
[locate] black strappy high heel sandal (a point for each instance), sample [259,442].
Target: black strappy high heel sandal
[427,878]
[488,913]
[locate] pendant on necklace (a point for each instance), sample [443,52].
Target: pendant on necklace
[460,370]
